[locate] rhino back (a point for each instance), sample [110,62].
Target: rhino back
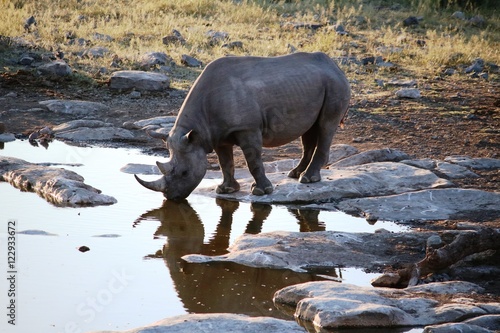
[282,96]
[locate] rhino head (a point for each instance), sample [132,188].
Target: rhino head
[185,169]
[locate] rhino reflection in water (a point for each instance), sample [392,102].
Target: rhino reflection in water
[253,102]
[220,287]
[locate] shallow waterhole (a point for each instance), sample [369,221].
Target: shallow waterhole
[133,275]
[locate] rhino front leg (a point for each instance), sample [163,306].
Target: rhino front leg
[251,145]
[226,161]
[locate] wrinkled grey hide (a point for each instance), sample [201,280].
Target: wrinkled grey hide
[253,102]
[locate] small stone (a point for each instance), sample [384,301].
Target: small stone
[26,60]
[79,42]
[478,21]
[217,37]
[35,110]
[371,60]
[411,93]
[11,94]
[155,58]
[130,125]
[139,80]
[449,71]
[135,94]
[233,45]
[33,136]
[7,137]
[410,21]
[70,35]
[388,280]
[30,21]
[477,66]
[83,249]
[458,15]
[190,61]
[483,75]
[420,42]
[55,68]
[434,242]
[402,83]
[95,52]
[371,218]
[45,131]
[175,37]
[102,37]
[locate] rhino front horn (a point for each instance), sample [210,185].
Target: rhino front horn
[158,185]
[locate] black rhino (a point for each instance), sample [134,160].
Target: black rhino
[253,102]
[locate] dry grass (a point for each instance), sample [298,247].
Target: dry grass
[264,27]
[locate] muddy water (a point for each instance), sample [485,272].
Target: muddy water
[132,274]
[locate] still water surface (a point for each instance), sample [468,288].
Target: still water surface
[132,275]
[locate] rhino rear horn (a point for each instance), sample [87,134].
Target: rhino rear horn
[157,135]
[188,137]
[159,185]
[165,168]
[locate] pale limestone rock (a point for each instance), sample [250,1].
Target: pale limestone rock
[139,80]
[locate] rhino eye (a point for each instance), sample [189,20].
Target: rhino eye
[184,173]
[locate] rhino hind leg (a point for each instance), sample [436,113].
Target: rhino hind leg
[308,140]
[324,137]
[226,161]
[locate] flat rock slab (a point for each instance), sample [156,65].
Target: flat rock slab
[91,130]
[373,179]
[450,170]
[56,185]
[139,80]
[341,151]
[434,204]
[306,252]
[331,305]
[96,134]
[370,156]
[218,322]
[7,137]
[475,163]
[74,107]
[163,121]
[55,68]
[74,124]
[482,324]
